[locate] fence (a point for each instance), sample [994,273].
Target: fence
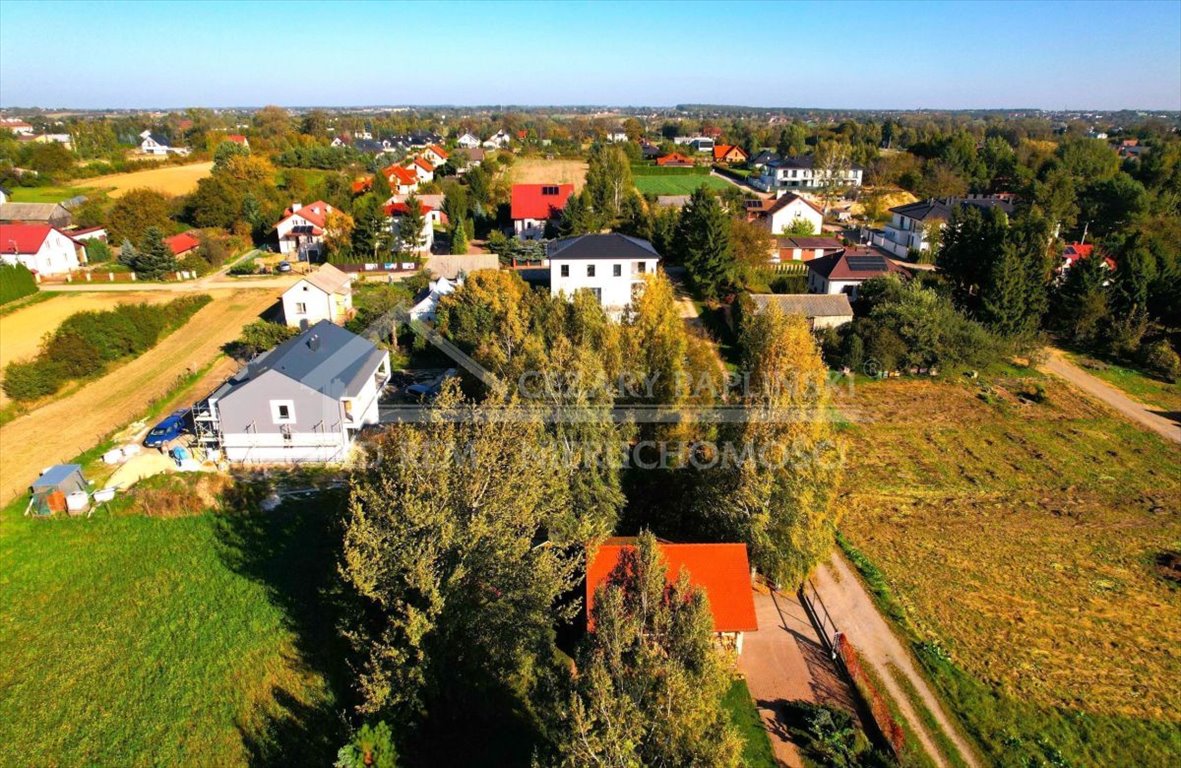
[97,276]
[849,661]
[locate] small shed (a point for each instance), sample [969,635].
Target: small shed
[54,485]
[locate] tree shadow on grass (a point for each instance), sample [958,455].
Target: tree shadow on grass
[292,551]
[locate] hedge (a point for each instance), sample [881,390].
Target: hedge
[639,169]
[16,282]
[88,342]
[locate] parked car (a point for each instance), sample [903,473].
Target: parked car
[430,390]
[283,266]
[172,427]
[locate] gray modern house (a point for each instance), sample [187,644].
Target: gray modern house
[303,401]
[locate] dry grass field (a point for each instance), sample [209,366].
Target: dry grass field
[538,170]
[171,179]
[1020,545]
[69,424]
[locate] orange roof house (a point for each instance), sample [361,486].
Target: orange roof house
[729,153]
[721,570]
[674,159]
[182,243]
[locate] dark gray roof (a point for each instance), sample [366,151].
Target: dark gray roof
[160,140]
[765,157]
[804,161]
[325,357]
[612,246]
[63,476]
[939,209]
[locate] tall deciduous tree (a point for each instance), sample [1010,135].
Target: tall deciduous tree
[608,181]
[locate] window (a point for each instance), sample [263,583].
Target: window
[590,270]
[301,308]
[639,267]
[549,190]
[565,270]
[617,270]
[283,411]
[598,292]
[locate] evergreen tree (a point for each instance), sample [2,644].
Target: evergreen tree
[1003,303]
[1083,301]
[579,216]
[703,243]
[971,243]
[459,237]
[1134,274]
[128,255]
[371,230]
[409,240]
[155,258]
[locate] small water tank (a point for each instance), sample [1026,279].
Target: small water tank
[77,501]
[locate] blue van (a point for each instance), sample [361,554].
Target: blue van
[170,428]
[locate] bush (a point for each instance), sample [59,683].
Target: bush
[87,342]
[98,252]
[1161,359]
[16,282]
[257,337]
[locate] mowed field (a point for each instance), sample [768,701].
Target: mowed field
[1020,543]
[170,179]
[685,184]
[68,425]
[539,170]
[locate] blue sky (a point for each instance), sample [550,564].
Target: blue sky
[1073,55]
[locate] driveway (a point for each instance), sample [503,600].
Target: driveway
[784,661]
[1057,364]
[856,615]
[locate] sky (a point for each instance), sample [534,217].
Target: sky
[846,55]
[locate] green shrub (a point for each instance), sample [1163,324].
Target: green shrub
[257,337]
[16,282]
[1161,359]
[98,252]
[87,342]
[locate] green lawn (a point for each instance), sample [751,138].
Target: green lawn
[757,752]
[48,194]
[201,640]
[677,185]
[1136,384]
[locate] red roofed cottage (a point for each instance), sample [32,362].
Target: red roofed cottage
[301,230]
[533,205]
[40,247]
[721,570]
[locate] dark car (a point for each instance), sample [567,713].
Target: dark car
[170,428]
[430,390]
[283,266]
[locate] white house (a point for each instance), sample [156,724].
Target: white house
[468,141]
[845,271]
[426,237]
[535,205]
[616,136]
[303,401]
[498,140]
[155,144]
[422,170]
[326,294]
[787,211]
[432,207]
[435,155]
[799,173]
[913,226]
[612,267]
[17,126]
[41,248]
[301,230]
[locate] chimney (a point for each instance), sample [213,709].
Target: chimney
[314,342]
[296,206]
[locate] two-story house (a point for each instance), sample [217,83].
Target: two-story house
[800,173]
[914,226]
[610,266]
[303,401]
[155,144]
[301,230]
[326,294]
[41,248]
[535,205]
[789,213]
[846,270]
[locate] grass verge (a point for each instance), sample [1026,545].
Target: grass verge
[945,745]
[756,752]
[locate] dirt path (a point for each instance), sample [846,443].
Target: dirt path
[1057,364]
[855,614]
[74,423]
[784,661]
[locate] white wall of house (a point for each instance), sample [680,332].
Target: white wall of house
[817,283]
[613,280]
[808,178]
[793,211]
[468,141]
[529,229]
[289,246]
[304,305]
[58,255]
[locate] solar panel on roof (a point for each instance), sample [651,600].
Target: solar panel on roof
[866,263]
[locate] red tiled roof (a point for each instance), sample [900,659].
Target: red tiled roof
[237,138]
[1076,252]
[423,164]
[529,202]
[722,570]
[401,209]
[182,243]
[674,158]
[787,199]
[405,176]
[361,185]
[316,212]
[721,150]
[438,151]
[23,238]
